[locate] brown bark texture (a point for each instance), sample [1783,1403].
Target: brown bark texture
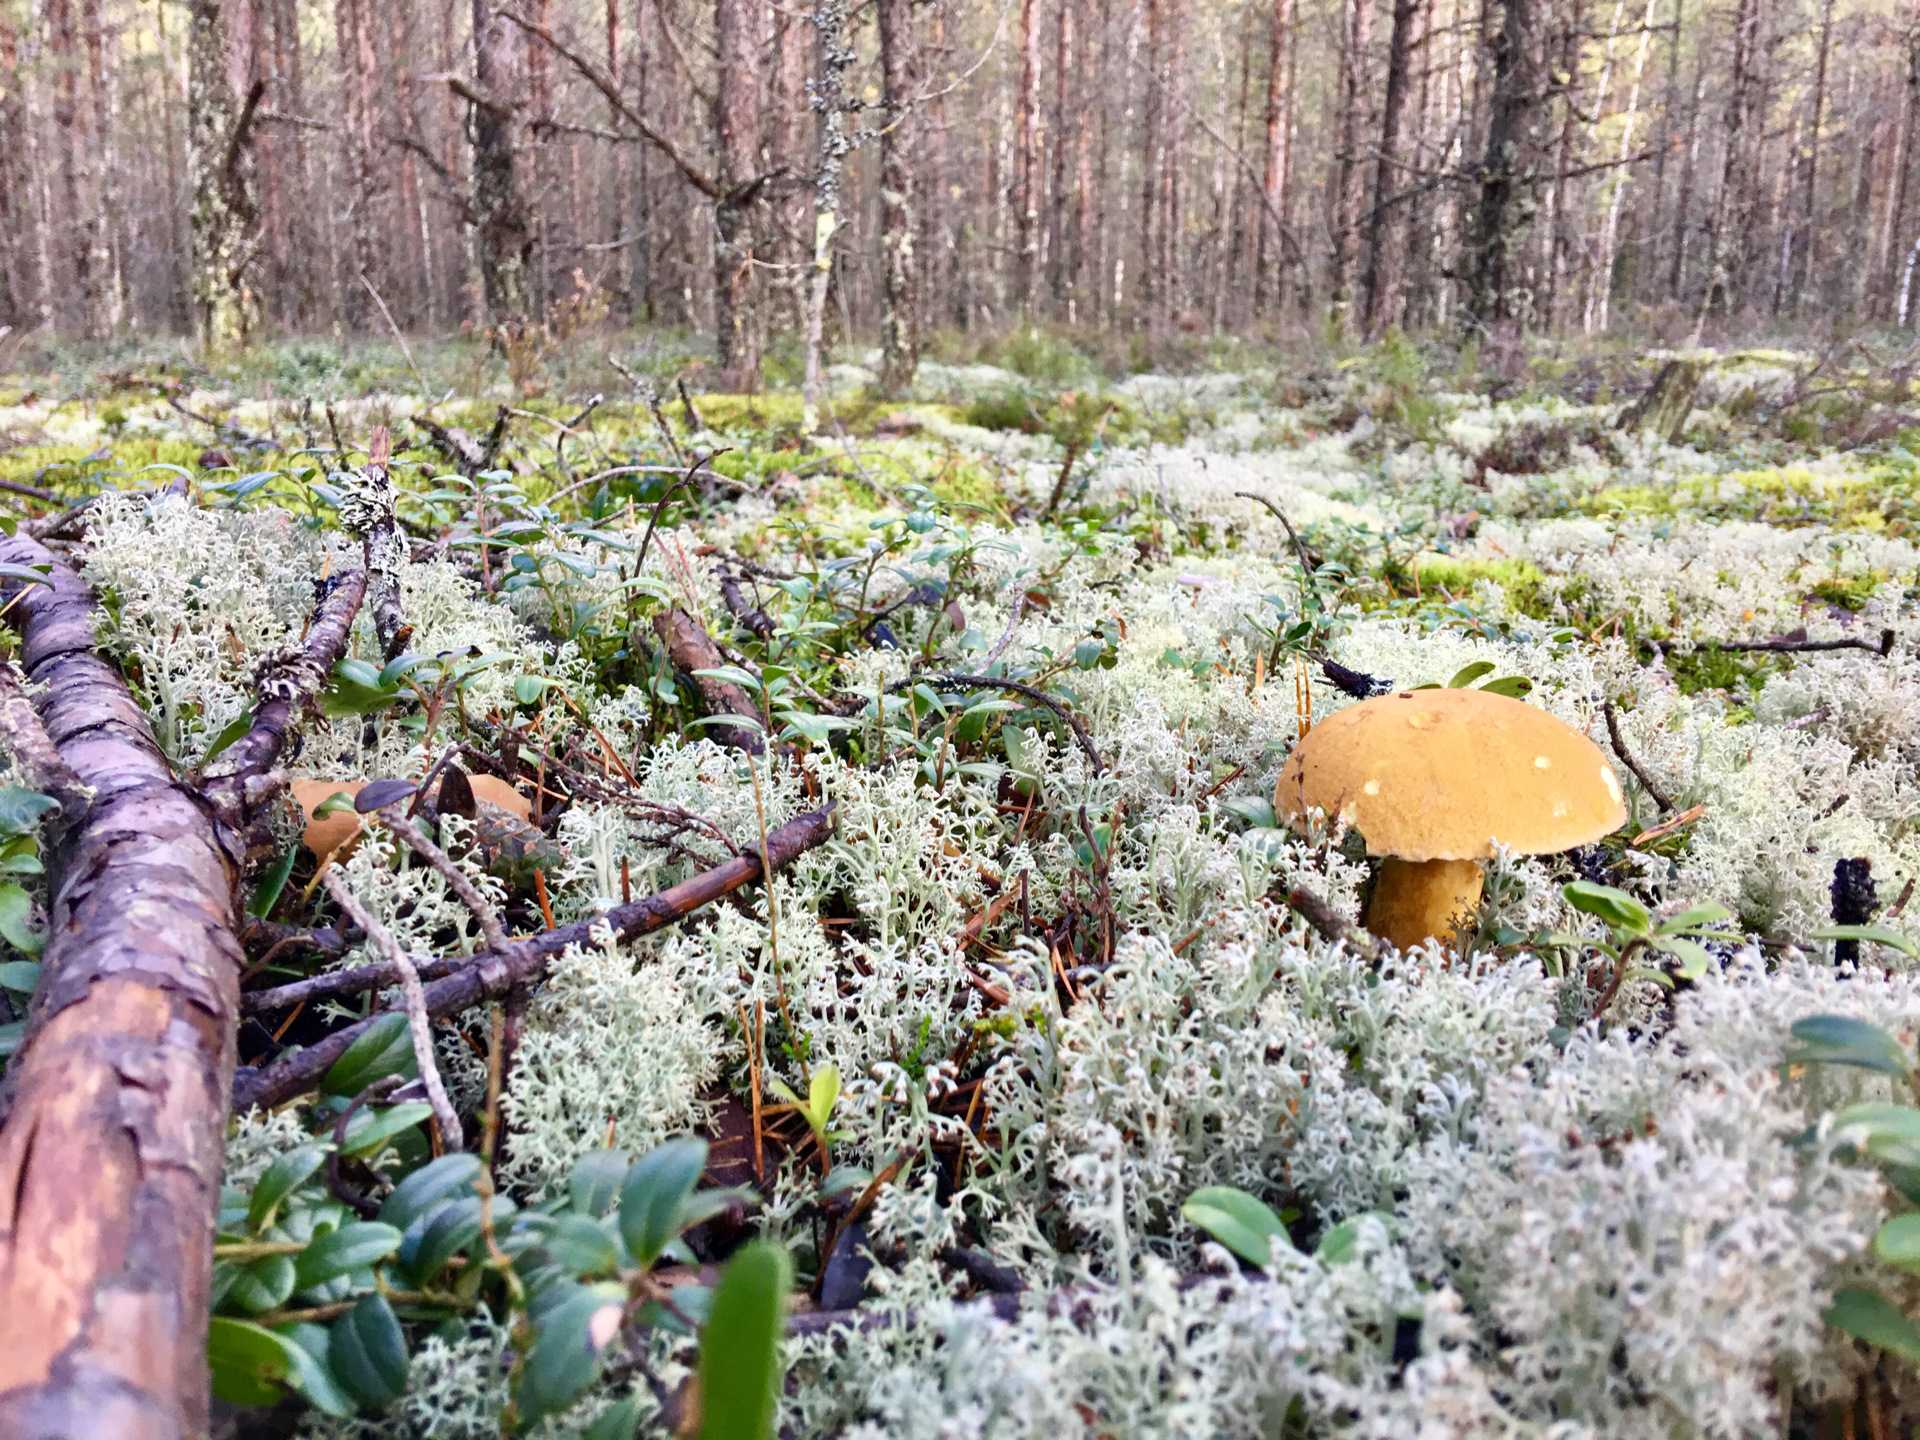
[692,649]
[116,1111]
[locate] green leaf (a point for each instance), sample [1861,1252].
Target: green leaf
[267,894]
[28,573]
[426,1187]
[1616,907]
[1238,1221]
[622,1422]
[354,1246]
[384,1048]
[311,1377]
[1870,1316]
[1841,1040]
[1469,674]
[580,1245]
[595,1183]
[21,976]
[823,1093]
[22,809]
[745,679]
[401,664]
[1513,687]
[264,1285]
[368,1353]
[285,1175]
[1256,810]
[448,1230]
[234,729]
[565,1356]
[1694,918]
[1892,1131]
[528,689]
[1341,1244]
[16,920]
[249,1363]
[375,1127]
[655,1193]
[1695,960]
[740,1346]
[1898,1242]
[1879,934]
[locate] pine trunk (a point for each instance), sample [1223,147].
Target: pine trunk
[900,319]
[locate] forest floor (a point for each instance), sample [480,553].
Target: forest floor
[1062,1082]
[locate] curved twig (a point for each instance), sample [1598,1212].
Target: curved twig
[1639,772]
[994,682]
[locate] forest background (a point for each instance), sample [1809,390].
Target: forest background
[1140,170]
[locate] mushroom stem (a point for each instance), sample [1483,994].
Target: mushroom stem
[1417,901]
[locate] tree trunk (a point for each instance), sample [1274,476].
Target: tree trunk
[353,27]
[1386,245]
[1744,124]
[1027,159]
[900,322]
[1804,294]
[1350,188]
[1059,255]
[111,1152]
[1267,262]
[220,171]
[835,56]
[737,141]
[1497,282]
[504,242]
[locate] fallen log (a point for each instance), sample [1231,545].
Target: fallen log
[493,974]
[116,1103]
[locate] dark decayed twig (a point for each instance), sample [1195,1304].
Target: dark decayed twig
[1794,642]
[492,975]
[1357,683]
[1330,924]
[1626,756]
[750,617]
[1854,898]
[1299,546]
[994,682]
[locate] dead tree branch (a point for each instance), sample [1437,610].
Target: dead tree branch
[691,648]
[115,1128]
[494,974]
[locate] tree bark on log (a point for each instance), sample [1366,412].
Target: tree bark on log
[116,1111]
[491,975]
[692,649]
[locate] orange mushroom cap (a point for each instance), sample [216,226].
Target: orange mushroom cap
[1445,774]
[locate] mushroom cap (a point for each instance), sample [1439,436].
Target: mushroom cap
[329,831]
[1444,774]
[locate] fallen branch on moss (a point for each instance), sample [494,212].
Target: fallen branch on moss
[115,1126]
[691,648]
[1658,795]
[492,974]
[994,682]
[1794,642]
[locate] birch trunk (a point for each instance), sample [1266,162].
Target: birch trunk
[900,318]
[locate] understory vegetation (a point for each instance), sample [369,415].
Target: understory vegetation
[1056,1092]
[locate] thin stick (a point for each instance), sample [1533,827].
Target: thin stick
[1299,545]
[415,998]
[441,863]
[1006,635]
[387,315]
[994,682]
[1620,748]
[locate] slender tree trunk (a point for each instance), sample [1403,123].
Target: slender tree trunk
[1689,171]
[1809,244]
[899,145]
[502,237]
[737,142]
[835,57]
[219,161]
[1279,153]
[1386,242]
[1498,287]
[1059,259]
[15,182]
[1027,161]
[1350,166]
[1744,127]
[1600,291]
[353,37]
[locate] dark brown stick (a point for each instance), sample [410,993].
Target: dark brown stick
[1329,924]
[288,684]
[1782,644]
[691,648]
[1620,748]
[491,975]
[115,1127]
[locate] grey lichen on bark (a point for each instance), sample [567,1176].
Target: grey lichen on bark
[366,510]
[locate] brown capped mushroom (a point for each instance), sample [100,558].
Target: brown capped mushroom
[492,790]
[326,834]
[1432,780]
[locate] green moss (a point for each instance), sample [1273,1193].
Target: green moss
[1525,584]
[1885,498]
[58,467]
[1850,592]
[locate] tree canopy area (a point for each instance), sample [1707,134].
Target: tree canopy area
[1054,720]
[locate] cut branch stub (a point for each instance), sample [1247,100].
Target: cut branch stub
[116,1114]
[367,500]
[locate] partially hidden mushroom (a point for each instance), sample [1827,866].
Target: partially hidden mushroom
[326,833]
[1433,780]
